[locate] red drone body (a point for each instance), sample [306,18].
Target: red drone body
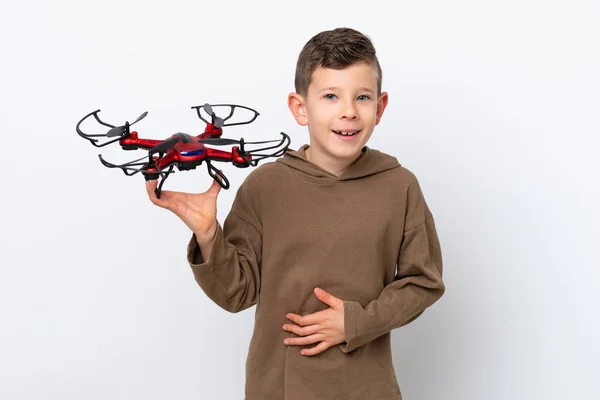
[184,151]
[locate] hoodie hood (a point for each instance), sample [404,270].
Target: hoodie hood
[369,162]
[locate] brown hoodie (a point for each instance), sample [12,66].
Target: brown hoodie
[366,236]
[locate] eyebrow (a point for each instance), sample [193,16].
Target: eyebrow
[362,89]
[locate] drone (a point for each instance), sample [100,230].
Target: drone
[185,151]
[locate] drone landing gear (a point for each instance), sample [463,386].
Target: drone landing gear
[163,175]
[217,175]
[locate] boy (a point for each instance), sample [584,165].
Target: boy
[333,242]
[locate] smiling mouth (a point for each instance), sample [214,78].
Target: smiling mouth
[346,133]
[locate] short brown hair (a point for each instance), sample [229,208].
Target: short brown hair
[335,49]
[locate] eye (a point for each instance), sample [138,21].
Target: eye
[363,97]
[329,96]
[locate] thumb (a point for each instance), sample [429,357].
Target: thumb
[214,189]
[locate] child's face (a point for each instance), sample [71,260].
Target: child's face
[340,101]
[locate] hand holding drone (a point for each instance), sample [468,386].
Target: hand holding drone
[184,151]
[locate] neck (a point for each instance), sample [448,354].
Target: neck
[335,167]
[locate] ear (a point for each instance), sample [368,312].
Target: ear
[381,104]
[297,107]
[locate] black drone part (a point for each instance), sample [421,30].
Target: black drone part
[119,132]
[256,153]
[218,175]
[220,141]
[123,130]
[129,168]
[220,122]
[167,144]
[216,121]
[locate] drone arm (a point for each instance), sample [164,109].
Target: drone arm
[218,155]
[236,157]
[133,142]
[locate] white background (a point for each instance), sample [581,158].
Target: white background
[493,105]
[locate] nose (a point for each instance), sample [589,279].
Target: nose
[348,110]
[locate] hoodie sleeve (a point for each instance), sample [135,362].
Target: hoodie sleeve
[231,275]
[417,283]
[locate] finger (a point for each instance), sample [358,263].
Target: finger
[302,331]
[321,347]
[310,319]
[214,189]
[302,341]
[327,298]
[151,187]
[151,190]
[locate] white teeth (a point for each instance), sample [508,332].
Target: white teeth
[346,133]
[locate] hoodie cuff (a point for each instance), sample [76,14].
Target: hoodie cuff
[350,308]
[194,254]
